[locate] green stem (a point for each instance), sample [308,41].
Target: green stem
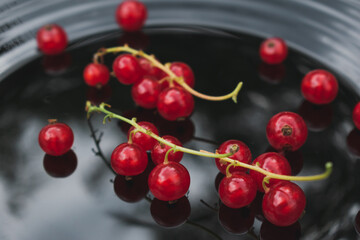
[101,108]
[166,68]
[225,157]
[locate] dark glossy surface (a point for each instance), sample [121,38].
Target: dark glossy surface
[35,205]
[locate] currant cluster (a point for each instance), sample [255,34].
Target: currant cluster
[169,180]
[283,202]
[166,87]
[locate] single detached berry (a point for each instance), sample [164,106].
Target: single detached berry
[169,182]
[237,191]
[174,103]
[51,39]
[159,151]
[183,70]
[286,131]
[271,162]
[143,140]
[127,69]
[356,115]
[96,75]
[146,92]
[60,166]
[284,203]
[131,15]
[170,214]
[243,154]
[56,138]
[129,159]
[319,87]
[273,50]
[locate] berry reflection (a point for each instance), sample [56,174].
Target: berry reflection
[269,231]
[236,221]
[316,117]
[170,214]
[353,141]
[60,166]
[273,74]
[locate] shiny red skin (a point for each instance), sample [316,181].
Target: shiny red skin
[146,92]
[174,103]
[56,138]
[143,140]
[127,69]
[170,214]
[237,191]
[242,155]
[283,140]
[271,162]
[273,50]
[60,166]
[356,115]
[159,151]
[96,74]
[129,159]
[183,70]
[131,15]
[169,182]
[51,39]
[150,70]
[284,203]
[319,87]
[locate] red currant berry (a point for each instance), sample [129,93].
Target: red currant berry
[183,70]
[169,182]
[127,69]
[356,115]
[51,39]
[243,155]
[319,87]
[96,75]
[284,203]
[149,69]
[286,131]
[56,138]
[174,103]
[131,15]
[143,140]
[60,166]
[159,151]
[170,214]
[128,159]
[238,190]
[271,162]
[273,50]
[236,221]
[133,189]
[146,92]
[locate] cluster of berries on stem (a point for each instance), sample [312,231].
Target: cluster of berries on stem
[170,180]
